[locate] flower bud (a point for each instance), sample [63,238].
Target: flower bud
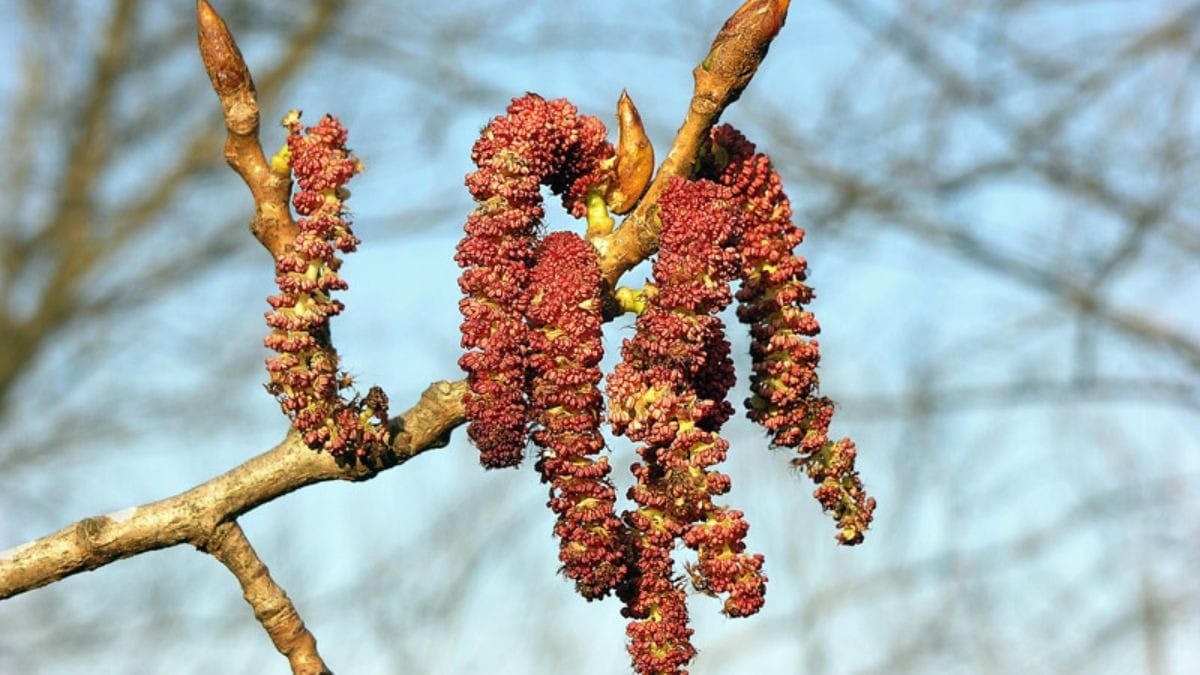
[227,71]
[222,59]
[740,46]
[634,163]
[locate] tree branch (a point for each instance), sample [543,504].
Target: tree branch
[194,516]
[231,80]
[734,57]
[272,607]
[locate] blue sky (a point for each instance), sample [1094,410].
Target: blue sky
[975,550]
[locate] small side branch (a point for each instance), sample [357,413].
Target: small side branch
[272,225]
[272,607]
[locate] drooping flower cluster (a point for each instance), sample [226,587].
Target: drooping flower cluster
[783,347]
[668,393]
[304,375]
[538,142]
[531,330]
[564,312]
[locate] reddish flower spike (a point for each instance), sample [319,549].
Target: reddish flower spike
[564,311]
[305,376]
[538,142]
[783,348]
[669,393]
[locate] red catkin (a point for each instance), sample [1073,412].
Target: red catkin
[564,312]
[669,394]
[538,142]
[304,375]
[784,350]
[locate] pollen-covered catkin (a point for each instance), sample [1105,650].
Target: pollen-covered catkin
[304,374]
[784,350]
[538,142]
[564,313]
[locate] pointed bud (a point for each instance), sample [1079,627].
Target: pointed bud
[742,43]
[222,58]
[229,74]
[767,15]
[634,161]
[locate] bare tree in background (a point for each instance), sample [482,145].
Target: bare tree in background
[1022,173]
